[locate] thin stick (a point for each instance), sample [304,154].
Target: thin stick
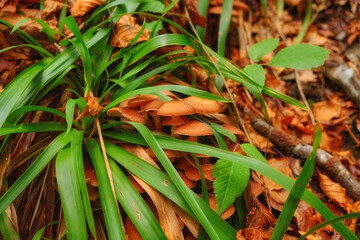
[303,97]
[41,192]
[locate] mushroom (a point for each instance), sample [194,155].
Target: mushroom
[176,108]
[128,113]
[141,100]
[171,154]
[203,106]
[231,128]
[194,128]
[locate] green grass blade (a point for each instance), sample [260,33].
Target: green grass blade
[18,113]
[296,192]
[40,232]
[70,196]
[264,169]
[37,48]
[33,127]
[279,7]
[108,204]
[135,206]
[160,181]
[179,183]
[323,224]
[161,41]
[35,168]
[175,88]
[202,9]
[9,96]
[79,43]
[225,20]
[69,112]
[7,228]
[77,157]
[305,24]
[62,17]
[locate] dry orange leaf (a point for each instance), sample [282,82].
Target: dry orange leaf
[92,109]
[194,174]
[335,192]
[82,7]
[126,30]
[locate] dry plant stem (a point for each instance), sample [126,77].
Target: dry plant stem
[324,160]
[39,199]
[303,97]
[108,170]
[347,79]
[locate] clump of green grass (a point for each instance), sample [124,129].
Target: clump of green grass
[124,75]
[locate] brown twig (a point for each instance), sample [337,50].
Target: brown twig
[324,160]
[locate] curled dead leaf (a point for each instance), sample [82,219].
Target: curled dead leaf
[126,30]
[92,109]
[82,7]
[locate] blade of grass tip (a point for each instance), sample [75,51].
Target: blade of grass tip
[264,5]
[110,210]
[225,20]
[202,9]
[264,169]
[76,151]
[70,195]
[62,17]
[79,43]
[7,228]
[69,112]
[279,7]
[305,24]
[33,127]
[179,183]
[135,206]
[39,233]
[297,191]
[323,224]
[35,168]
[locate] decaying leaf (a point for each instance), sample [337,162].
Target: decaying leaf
[126,30]
[92,109]
[82,7]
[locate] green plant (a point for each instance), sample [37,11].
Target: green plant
[92,136]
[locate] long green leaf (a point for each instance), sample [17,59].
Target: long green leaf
[161,182]
[264,169]
[135,206]
[297,191]
[225,20]
[33,127]
[111,213]
[70,195]
[179,183]
[79,43]
[77,157]
[7,228]
[11,93]
[35,168]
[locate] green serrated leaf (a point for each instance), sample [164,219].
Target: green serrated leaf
[260,49]
[300,56]
[231,180]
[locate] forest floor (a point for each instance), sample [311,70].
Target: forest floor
[333,101]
